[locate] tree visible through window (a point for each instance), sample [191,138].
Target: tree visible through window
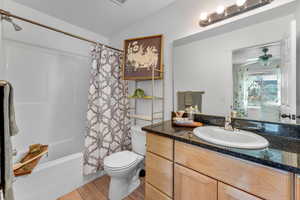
[263,88]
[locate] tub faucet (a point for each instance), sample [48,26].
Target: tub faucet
[228,124]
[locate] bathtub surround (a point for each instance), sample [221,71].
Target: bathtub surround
[50,75]
[108,122]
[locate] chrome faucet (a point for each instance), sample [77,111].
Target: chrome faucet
[228,124]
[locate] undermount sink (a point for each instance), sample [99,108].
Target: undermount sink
[236,139]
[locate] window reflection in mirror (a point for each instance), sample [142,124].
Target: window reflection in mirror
[257,82]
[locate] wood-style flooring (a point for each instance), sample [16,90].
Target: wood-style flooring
[98,190]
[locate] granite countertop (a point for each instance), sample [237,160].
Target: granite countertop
[283,152]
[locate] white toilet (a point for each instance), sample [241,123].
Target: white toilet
[124,167]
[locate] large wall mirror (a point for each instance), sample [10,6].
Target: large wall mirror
[251,70]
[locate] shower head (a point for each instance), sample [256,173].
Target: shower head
[9,19]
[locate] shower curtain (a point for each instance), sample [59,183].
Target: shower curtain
[108,125]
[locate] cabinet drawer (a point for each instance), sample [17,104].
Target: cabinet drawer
[225,192]
[159,145]
[256,179]
[153,194]
[159,173]
[190,185]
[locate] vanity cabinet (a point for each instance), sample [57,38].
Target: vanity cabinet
[226,192]
[192,185]
[265,182]
[159,167]
[154,194]
[160,145]
[181,171]
[159,173]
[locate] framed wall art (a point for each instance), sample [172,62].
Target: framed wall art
[141,55]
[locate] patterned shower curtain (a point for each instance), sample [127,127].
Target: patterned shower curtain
[108,125]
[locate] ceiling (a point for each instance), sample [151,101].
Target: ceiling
[101,16]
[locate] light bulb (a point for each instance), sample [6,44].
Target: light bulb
[220,9]
[203,16]
[240,3]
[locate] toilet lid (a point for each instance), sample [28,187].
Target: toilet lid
[121,159]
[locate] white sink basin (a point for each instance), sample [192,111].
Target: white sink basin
[236,139]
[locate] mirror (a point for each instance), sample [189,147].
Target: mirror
[251,70]
[257,82]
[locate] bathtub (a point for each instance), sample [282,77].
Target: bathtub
[56,175]
[51,179]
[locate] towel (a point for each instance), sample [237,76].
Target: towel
[10,129]
[188,99]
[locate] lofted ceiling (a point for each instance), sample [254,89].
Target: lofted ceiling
[101,16]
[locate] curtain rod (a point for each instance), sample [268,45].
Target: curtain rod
[3,12]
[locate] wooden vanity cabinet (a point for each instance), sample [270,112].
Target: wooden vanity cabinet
[192,185]
[159,167]
[161,146]
[226,192]
[181,171]
[154,194]
[264,182]
[159,173]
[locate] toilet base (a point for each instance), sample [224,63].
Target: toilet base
[133,186]
[121,188]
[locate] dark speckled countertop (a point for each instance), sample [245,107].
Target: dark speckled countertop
[283,152]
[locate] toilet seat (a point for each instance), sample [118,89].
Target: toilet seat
[121,160]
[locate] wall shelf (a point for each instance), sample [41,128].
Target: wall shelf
[145,117]
[155,116]
[147,98]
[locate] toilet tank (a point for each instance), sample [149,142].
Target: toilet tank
[138,140]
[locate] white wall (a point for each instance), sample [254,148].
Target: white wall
[175,21]
[178,20]
[206,65]
[49,72]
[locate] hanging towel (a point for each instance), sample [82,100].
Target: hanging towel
[10,129]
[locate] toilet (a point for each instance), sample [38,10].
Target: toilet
[124,167]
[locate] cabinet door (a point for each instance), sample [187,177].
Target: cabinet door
[191,185]
[160,145]
[159,173]
[225,192]
[154,194]
[265,182]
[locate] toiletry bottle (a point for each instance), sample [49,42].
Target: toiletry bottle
[233,112]
[196,109]
[191,113]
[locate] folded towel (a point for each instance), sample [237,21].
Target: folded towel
[10,129]
[188,99]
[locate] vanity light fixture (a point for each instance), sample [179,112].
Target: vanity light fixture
[222,13]
[220,10]
[240,3]
[204,16]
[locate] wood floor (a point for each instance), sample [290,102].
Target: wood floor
[98,190]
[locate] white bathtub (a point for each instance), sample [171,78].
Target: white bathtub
[51,179]
[56,174]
